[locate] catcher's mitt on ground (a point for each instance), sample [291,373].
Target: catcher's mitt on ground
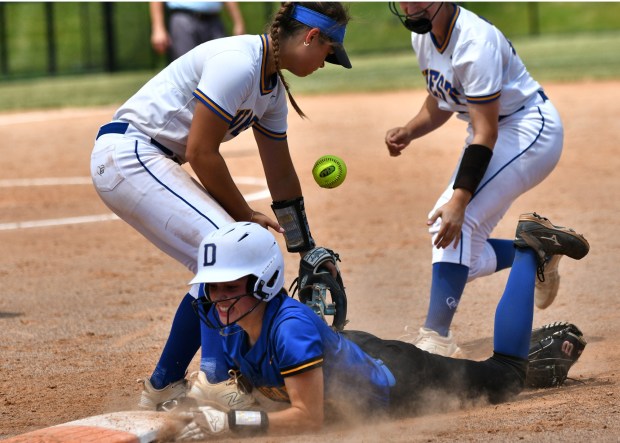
[554,348]
[312,271]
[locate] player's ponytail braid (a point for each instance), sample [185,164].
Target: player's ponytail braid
[283,27]
[275,39]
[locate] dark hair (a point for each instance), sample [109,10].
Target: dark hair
[283,27]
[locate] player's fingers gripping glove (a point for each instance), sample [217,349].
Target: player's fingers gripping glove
[554,348]
[312,271]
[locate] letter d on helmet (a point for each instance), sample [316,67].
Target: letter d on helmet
[241,249]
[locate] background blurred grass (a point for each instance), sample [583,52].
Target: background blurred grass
[577,41]
[548,58]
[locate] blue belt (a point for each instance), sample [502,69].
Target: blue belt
[501,117]
[542,95]
[121,128]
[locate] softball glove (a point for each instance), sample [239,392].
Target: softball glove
[554,348]
[312,275]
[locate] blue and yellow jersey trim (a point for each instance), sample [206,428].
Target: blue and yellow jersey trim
[281,136]
[217,109]
[267,84]
[484,99]
[455,16]
[300,369]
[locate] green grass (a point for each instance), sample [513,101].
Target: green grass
[81,47]
[552,58]
[549,59]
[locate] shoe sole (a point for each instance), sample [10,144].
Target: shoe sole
[577,247]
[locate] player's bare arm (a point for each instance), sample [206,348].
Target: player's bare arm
[485,123]
[160,39]
[203,154]
[429,118]
[237,18]
[484,118]
[305,392]
[282,179]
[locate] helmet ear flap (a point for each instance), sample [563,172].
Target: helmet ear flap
[251,286]
[255,286]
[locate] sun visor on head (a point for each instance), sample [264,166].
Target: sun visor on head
[330,28]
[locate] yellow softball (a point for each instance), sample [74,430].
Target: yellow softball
[329,171]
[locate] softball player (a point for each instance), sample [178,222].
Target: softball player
[514,140]
[183,114]
[289,354]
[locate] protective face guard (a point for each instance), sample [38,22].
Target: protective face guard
[205,309]
[419,26]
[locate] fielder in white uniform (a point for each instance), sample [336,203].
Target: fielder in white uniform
[514,140]
[183,114]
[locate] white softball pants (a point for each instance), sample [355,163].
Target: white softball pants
[155,195]
[528,148]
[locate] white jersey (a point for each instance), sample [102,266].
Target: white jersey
[228,75]
[454,79]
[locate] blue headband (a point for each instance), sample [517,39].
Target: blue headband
[314,19]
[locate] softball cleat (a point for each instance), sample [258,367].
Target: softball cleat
[545,291]
[546,239]
[430,341]
[152,399]
[226,395]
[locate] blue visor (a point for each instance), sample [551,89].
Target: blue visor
[329,27]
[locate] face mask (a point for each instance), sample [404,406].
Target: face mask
[419,26]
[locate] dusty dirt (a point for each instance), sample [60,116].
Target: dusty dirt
[85,308]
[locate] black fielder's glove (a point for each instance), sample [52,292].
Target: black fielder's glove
[314,276]
[554,348]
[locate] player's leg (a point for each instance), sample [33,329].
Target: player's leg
[504,252]
[514,313]
[212,28]
[527,150]
[503,375]
[447,285]
[183,29]
[160,200]
[449,280]
[536,238]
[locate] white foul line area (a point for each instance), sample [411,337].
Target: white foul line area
[262,193]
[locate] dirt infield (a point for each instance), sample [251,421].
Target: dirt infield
[85,305]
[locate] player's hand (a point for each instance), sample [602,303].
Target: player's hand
[452,217]
[238,29]
[205,421]
[160,40]
[397,139]
[266,222]
[328,265]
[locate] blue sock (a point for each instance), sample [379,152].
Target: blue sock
[515,310]
[447,285]
[213,360]
[183,343]
[504,251]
